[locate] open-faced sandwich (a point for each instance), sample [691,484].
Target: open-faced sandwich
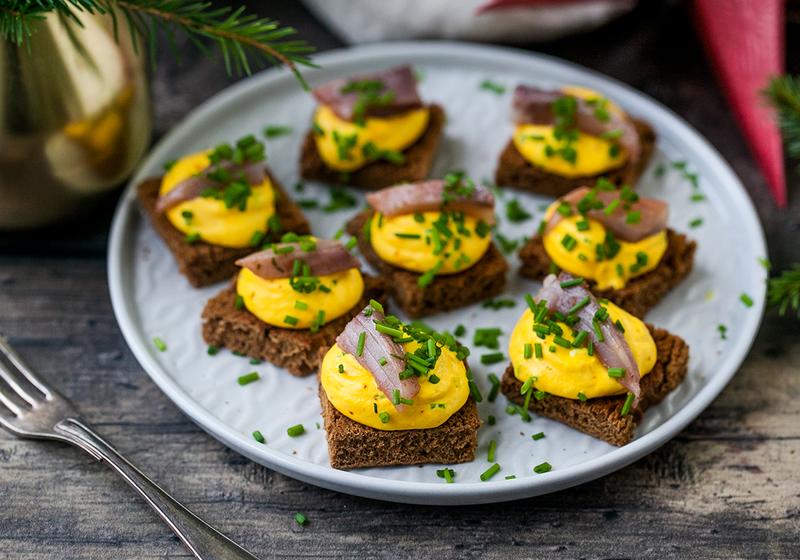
[566,138]
[371,131]
[614,239]
[432,242]
[396,394]
[216,206]
[289,302]
[588,363]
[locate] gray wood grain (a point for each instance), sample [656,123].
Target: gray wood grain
[727,486]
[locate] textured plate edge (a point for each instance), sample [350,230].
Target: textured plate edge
[424,492]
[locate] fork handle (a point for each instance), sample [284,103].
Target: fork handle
[205,542]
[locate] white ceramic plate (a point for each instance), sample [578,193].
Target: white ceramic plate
[151,299]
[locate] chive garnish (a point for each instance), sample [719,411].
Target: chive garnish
[238,303]
[526,387]
[159,344]
[697,222]
[384,417]
[493,358]
[538,436]
[434,378]
[460,330]
[491,420]
[619,326]
[563,342]
[578,306]
[527,352]
[192,238]
[608,210]
[259,437]
[490,472]
[569,242]
[302,306]
[300,519]
[402,235]
[616,372]
[248,378]
[542,468]
[291,320]
[492,451]
[391,331]
[746,300]
[376,305]
[495,387]
[296,430]
[582,397]
[572,283]
[537,350]
[447,474]
[383,361]
[212,350]
[341,368]
[580,338]
[626,408]
[362,338]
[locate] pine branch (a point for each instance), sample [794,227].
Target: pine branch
[243,39]
[783,93]
[783,291]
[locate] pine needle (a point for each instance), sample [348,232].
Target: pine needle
[783,291]
[783,93]
[244,40]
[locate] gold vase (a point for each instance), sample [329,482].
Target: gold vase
[74,118]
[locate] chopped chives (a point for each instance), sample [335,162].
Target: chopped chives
[619,326]
[572,283]
[254,361]
[239,302]
[434,379]
[697,222]
[495,387]
[527,351]
[460,330]
[580,338]
[300,518]
[608,210]
[511,477]
[384,417]
[402,235]
[590,348]
[248,378]
[291,320]
[538,436]
[542,468]
[582,397]
[376,305]
[633,217]
[192,238]
[569,242]
[578,306]
[396,396]
[259,437]
[159,344]
[526,387]
[386,329]
[491,420]
[302,306]
[563,342]
[350,243]
[626,408]
[492,451]
[616,372]
[383,361]
[341,368]
[746,300]
[212,351]
[537,350]
[552,348]
[490,472]
[493,358]
[447,474]
[257,238]
[362,338]
[296,430]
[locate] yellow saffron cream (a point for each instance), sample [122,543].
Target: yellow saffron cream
[354,392]
[347,146]
[208,217]
[410,241]
[575,251]
[566,372]
[592,155]
[276,302]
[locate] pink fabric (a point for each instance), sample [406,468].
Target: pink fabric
[745,40]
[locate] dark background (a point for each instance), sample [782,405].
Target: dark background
[726,486]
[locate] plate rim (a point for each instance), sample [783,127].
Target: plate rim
[415,491]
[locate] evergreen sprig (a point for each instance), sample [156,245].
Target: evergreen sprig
[783,93]
[243,39]
[783,291]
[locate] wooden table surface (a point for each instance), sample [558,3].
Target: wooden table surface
[727,486]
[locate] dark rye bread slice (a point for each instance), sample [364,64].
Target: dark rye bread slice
[513,170]
[299,351]
[601,417]
[379,174]
[352,445]
[640,293]
[203,263]
[485,279]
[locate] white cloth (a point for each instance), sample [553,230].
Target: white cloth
[362,21]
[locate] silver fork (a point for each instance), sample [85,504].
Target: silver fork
[29,408]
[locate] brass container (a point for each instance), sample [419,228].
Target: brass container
[74,119]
